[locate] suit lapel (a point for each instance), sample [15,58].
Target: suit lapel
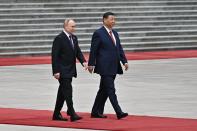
[67,41]
[108,36]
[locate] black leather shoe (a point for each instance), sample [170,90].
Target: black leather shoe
[120,116]
[98,116]
[75,118]
[59,118]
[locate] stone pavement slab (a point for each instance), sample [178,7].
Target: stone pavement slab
[164,87]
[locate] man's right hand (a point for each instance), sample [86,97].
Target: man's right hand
[56,75]
[90,69]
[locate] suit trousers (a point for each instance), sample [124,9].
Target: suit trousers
[106,89]
[64,94]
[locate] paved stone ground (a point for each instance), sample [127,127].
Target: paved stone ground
[151,87]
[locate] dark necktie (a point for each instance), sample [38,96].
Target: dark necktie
[71,41]
[112,38]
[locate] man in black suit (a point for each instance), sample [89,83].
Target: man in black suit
[65,50]
[106,53]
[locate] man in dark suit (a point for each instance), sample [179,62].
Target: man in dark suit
[105,55]
[65,50]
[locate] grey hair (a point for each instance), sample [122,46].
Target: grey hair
[66,21]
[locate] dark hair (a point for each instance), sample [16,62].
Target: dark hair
[107,14]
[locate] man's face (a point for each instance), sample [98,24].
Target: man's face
[70,27]
[109,21]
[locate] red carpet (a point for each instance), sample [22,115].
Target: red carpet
[131,123]
[130,56]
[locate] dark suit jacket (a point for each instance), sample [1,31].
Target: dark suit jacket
[104,55]
[64,56]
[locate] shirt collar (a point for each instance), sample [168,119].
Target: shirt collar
[108,30]
[67,34]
